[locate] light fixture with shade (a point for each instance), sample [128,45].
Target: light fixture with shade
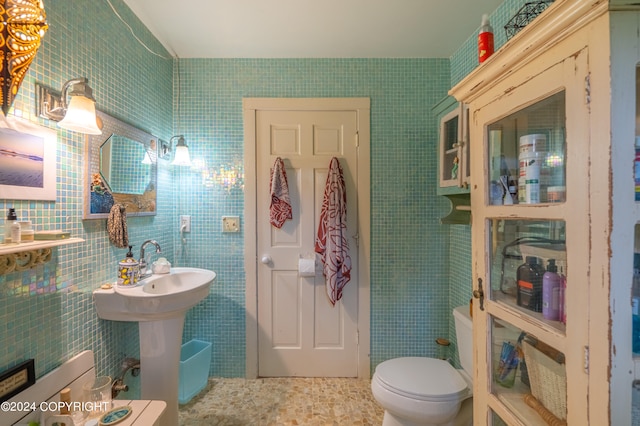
[79,114]
[181,156]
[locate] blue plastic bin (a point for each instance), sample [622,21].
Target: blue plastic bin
[195,360]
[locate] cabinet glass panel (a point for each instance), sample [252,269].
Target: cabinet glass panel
[529,267]
[449,138]
[527,154]
[528,376]
[497,421]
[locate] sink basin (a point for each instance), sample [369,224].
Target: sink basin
[159,304]
[156,297]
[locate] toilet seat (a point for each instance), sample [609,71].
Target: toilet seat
[423,379]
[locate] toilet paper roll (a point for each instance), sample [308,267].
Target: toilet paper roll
[307,267]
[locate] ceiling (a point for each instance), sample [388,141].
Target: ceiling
[312,29]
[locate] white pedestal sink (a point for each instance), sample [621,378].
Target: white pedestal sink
[159,304]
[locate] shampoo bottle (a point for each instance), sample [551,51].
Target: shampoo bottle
[563,299]
[635,311]
[529,289]
[551,287]
[485,39]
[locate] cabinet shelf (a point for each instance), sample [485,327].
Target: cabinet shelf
[23,256]
[546,330]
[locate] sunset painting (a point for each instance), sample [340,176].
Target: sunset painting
[21,159]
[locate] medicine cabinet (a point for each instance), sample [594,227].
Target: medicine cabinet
[553,218]
[453,158]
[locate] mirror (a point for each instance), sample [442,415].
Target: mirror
[121,168]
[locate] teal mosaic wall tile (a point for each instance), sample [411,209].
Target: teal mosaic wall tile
[409,272]
[47,312]
[465,59]
[460,278]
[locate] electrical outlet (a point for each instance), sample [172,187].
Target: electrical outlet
[230,224]
[185,223]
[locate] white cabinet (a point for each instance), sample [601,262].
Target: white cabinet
[551,112]
[453,158]
[453,146]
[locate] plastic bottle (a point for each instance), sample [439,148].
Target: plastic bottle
[16,232]
[551,286]
[485,39]
[529,277]
[635,311]
[563,300]
[636,167]
[11,219]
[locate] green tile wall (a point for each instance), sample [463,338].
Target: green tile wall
[408,254]
[465,59]
[47,313]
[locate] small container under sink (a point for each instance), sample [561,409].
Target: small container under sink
[195,360]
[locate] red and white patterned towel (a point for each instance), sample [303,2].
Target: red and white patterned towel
[280,208]
[331,240]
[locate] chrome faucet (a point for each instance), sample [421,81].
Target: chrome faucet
[143,261]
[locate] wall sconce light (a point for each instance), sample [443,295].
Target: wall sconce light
[150,153]
[181,156]
[78,115]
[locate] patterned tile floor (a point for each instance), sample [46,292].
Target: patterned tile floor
[283,401]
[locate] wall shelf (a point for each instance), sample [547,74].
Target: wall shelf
[23,256]
[460,213]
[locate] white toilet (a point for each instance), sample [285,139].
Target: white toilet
[428,391]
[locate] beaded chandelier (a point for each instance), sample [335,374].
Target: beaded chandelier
[23,24]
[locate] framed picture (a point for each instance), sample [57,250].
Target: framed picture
[27,160]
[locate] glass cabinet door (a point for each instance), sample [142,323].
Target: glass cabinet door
[530,257]
[454,148]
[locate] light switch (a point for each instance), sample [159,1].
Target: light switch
[230,224]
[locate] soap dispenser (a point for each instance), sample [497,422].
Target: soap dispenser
[128,270]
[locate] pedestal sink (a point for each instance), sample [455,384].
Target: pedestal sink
[159,304]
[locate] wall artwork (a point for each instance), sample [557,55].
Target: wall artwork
[27,160]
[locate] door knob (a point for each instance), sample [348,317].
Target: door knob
[479,294]
[266,259]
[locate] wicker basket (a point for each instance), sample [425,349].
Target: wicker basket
[548,380]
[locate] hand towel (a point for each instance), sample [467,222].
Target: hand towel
[331,240]
[280,208]
[117,226]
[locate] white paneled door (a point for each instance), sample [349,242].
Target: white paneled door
[299,332]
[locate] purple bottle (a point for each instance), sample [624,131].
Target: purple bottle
[551,287]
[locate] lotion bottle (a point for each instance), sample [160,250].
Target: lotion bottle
[485,39]
[8,226]
[551,287]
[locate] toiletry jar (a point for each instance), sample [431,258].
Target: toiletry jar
[161,266]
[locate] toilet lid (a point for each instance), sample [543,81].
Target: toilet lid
[421,378]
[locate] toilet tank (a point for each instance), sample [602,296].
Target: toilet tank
[464,337]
